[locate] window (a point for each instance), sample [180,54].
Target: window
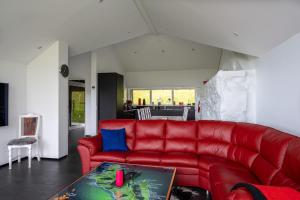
[185,96]
[78,106]
[164,96]
[140,94]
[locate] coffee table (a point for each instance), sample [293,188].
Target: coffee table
[144,182]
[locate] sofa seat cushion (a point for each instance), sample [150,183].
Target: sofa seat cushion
[206,161]
[143,157]
[187,181]
[223,178]
[222,191]
[183,170]
[112,156]
[222,174]
[179,159]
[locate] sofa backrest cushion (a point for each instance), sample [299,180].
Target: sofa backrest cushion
[214,137]
[274,146]
[181,136]
[272,151]
[245,143]
[128,124]
[289,175]
[150,135]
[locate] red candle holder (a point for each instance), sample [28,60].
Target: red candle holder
[119,178]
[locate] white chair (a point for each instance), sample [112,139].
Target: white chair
[29,126]
[185,113]
[147,113]
[144,113]
[141,114]
[138,112]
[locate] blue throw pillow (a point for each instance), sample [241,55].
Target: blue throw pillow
[114,140]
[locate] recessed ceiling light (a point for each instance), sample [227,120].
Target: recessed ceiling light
[236,34]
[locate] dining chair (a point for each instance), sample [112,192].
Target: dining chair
[138,114]
[141,114]
[185,113]
[29,126]
[147,111]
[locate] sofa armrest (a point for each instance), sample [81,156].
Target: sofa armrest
[92,143]
[85,158]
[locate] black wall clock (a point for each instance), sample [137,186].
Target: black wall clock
[64,70]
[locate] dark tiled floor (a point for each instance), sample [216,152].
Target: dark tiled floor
[44,179]
[48,177]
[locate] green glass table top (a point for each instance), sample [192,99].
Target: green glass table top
[141,183]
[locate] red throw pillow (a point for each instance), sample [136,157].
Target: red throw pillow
[278,193]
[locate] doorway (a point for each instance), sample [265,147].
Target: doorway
[76,103]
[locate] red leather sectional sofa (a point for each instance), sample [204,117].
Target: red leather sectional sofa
[212,155]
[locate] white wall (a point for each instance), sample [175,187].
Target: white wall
[107,61]
[165,79]
[80,69]
[63,101]
[278,97]
[15,75]
[47,94]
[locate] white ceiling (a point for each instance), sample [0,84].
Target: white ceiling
[261,24]
[87,25]
[160,52]
[84,24]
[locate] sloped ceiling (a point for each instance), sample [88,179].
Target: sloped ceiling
[260,24]
[84,24]
[160,52]
[87,24]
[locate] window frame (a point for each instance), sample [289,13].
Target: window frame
[150,89]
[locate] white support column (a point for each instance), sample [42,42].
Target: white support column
[94,94]
[9,157]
